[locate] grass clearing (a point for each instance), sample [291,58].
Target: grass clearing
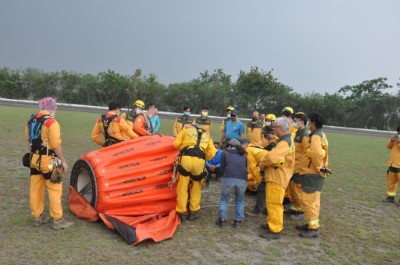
[356,227]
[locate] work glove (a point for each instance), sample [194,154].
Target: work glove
[58,170]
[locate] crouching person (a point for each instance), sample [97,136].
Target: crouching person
[213,166]
[278,166]
[196,146]
[234,176]
[46,159]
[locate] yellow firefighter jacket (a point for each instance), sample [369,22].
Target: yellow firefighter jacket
[188,138]
[181,123]
[394,158]
[317,154]
[279,162]
[254,177]
[254,133]
[301,143]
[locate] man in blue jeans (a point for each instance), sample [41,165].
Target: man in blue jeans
[234,175]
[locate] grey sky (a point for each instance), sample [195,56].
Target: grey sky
[312,45]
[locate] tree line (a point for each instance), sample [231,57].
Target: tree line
[364,105]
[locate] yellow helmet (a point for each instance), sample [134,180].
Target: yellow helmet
[290,109]
[139,103]
[271,117]
[230,108]
[287,111]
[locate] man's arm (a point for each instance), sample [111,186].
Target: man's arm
[60,155]
[138,126]
[175,128]
[96,132]
[126,129]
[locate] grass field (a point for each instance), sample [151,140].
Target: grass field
[356,227]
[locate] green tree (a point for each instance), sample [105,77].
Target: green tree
[69,87]
[112,87]
[11,85]
[364,103]
[177,96]
[259,90]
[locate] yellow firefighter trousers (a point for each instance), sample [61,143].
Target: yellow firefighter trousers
[295,195]
[274,194]
[311,206]
[195,166]
[37,189]
[392,179]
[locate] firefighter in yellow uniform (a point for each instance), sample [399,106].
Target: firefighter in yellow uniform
[301,143]
[313,170]
[196,147]
[44,151]
[204,122]
[268,126]
[254,155]
[288,113]
[227,118]
[393,172]
[256,178]
[182,122]
[254,129]
[278,166]
[112,126]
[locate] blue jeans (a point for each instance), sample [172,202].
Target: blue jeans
[227,185]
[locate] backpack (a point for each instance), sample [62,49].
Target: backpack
[109,140]
[34,132]
[106,122]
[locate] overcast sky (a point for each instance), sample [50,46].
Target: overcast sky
[311,45]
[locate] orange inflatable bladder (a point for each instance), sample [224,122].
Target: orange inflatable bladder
[131,182]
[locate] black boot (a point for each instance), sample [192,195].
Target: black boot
[194,216]
[221,222]
[389,199]
[310,233]
[183,216]
[237,223]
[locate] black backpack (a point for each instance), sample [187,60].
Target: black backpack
[109,140]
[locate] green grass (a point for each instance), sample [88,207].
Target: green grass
[356,228]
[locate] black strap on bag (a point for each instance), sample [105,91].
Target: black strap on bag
[394,169]
[185,173]
[109,140]
[195,151]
